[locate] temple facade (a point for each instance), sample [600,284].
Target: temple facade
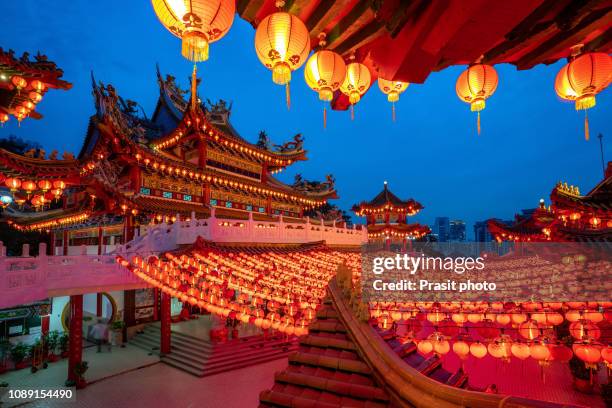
[571,217]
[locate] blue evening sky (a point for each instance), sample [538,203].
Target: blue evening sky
[530,139]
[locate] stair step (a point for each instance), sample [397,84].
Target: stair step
[186,361]
[189,354]
[335,363]
[236,348]
[241,364]
[215,358]
[187,369]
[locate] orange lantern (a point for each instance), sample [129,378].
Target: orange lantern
[28,186]
[3,118]
[38,85]
[554,318]
[196,22]
[35,96]
[324,73]
[461,349]
[501,348]
[425,346]
[594,221]
[356,83]
[28,105]
[520,350]
[59,184]
[540,352]
[478,350]
[529,329]
[282,43]
[475,85]
[45,185]
[392,89]
[583,329]
[19,82]
[12,183]
[582,78]
[588,352]
[606,355]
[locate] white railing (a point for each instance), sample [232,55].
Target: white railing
[166,237]
[26,278]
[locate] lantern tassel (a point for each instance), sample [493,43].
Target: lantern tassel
[478,123]
[288,96]
[352,112]
[393,111]
[324,117]
[586,126]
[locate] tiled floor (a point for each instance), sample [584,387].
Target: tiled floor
[164,386]
[101,365]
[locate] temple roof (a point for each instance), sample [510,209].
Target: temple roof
[40,69]
[387,200]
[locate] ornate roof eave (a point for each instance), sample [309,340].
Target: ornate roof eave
[25,166]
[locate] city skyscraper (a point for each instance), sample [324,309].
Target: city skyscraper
[457,230]
[441,228]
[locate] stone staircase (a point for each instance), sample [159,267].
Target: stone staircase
[326,371]
[202,358]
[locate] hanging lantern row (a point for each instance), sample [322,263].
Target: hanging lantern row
[282,43]
[33,97]
[269,290]
[56,223]
[49,190]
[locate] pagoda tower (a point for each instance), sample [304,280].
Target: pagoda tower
[387,218]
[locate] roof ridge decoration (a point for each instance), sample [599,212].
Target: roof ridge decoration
[315,187]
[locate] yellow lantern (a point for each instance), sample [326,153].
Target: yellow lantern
[392,89]
[282,43]
[475,85]
[356,83]
[196,22]
[324,73]
[582,78]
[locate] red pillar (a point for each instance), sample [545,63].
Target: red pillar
[165,323]
[44,325]
[65,242]
[155,304]
[98,304]
[75,344]
[100,241]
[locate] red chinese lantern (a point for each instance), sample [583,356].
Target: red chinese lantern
[392,89]
[459,318]
[475,85]
[196,22]
[356,83]
[478,350]
[3,118]
[28,105]
[282,43]
[583,78]
[520,350]
[425,347]
[584,329]
[34,96]
[12,183]
[588,352]
[461,349]
[501,348]
[540,352]
[45,185]
[28,186]
[448,328]
[487,329]
[561,353]
[593,316]
[529,329]
[554,318]
[19,82]
[503,319]
[518,318]
[606,355]
[38,85]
